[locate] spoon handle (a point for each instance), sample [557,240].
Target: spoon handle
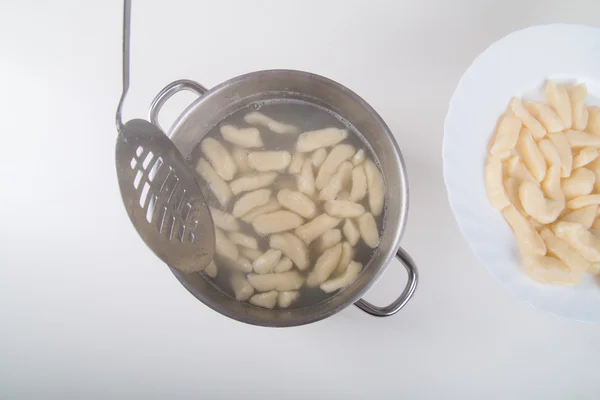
[126,34]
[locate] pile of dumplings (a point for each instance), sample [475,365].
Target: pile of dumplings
[280,207]
[543,174]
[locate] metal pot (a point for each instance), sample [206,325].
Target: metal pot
[214,105]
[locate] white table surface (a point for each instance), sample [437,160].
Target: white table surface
[87,312]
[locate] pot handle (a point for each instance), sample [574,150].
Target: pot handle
[401,301]
[168,91]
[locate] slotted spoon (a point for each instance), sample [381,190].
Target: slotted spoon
[159,190]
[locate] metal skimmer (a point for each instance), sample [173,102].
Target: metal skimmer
[159,189]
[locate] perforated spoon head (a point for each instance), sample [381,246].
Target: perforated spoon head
[163,198]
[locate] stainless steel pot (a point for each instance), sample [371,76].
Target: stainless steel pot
[214,105]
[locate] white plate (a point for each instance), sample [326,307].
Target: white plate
[515,65]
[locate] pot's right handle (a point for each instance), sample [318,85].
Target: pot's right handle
[168,91]
[401,301]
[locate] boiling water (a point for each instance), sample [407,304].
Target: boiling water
[306,117]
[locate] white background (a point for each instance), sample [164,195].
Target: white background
[87,312]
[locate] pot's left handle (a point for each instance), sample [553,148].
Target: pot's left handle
[401,301]
[168,91]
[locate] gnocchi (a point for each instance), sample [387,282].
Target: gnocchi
[251,182]
[282,282]
[219,158]
[359,184]
[243,240]
[337,182]
[318,157]
[264,300]
[358,157]
[272,205]
[246,138]
[275,222]
[263,161]
[306,179]
[338,155]
[351,232]
[218,186]
[493,184]
[330,239]
[292,247]
[343,280]
[296,163]
[313,140]
[512,190]
[549,270]
[533,125]
[240,157]
[284,265]
[343,209]
[224,221]
[545,115]
[580,183]
[241,264]
[250,201]
[285,299]
[580,239]
[548,192]
[579,112]
[324,266]
[275,190]
[531,155]
[582,139]
[550,152]
[534,203]
[267,262]
[584,216]
[297,202]
[225,247]
[241,287]
[211,270]
[507,133]
[315,228]
[517,170]
[368,230]
[528,239]
[375,187]
[585,156]
[583,201]
[257,118]
[564,252]
[563,147]
[251,254]
[556,95]
[551,185]
[345,259]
